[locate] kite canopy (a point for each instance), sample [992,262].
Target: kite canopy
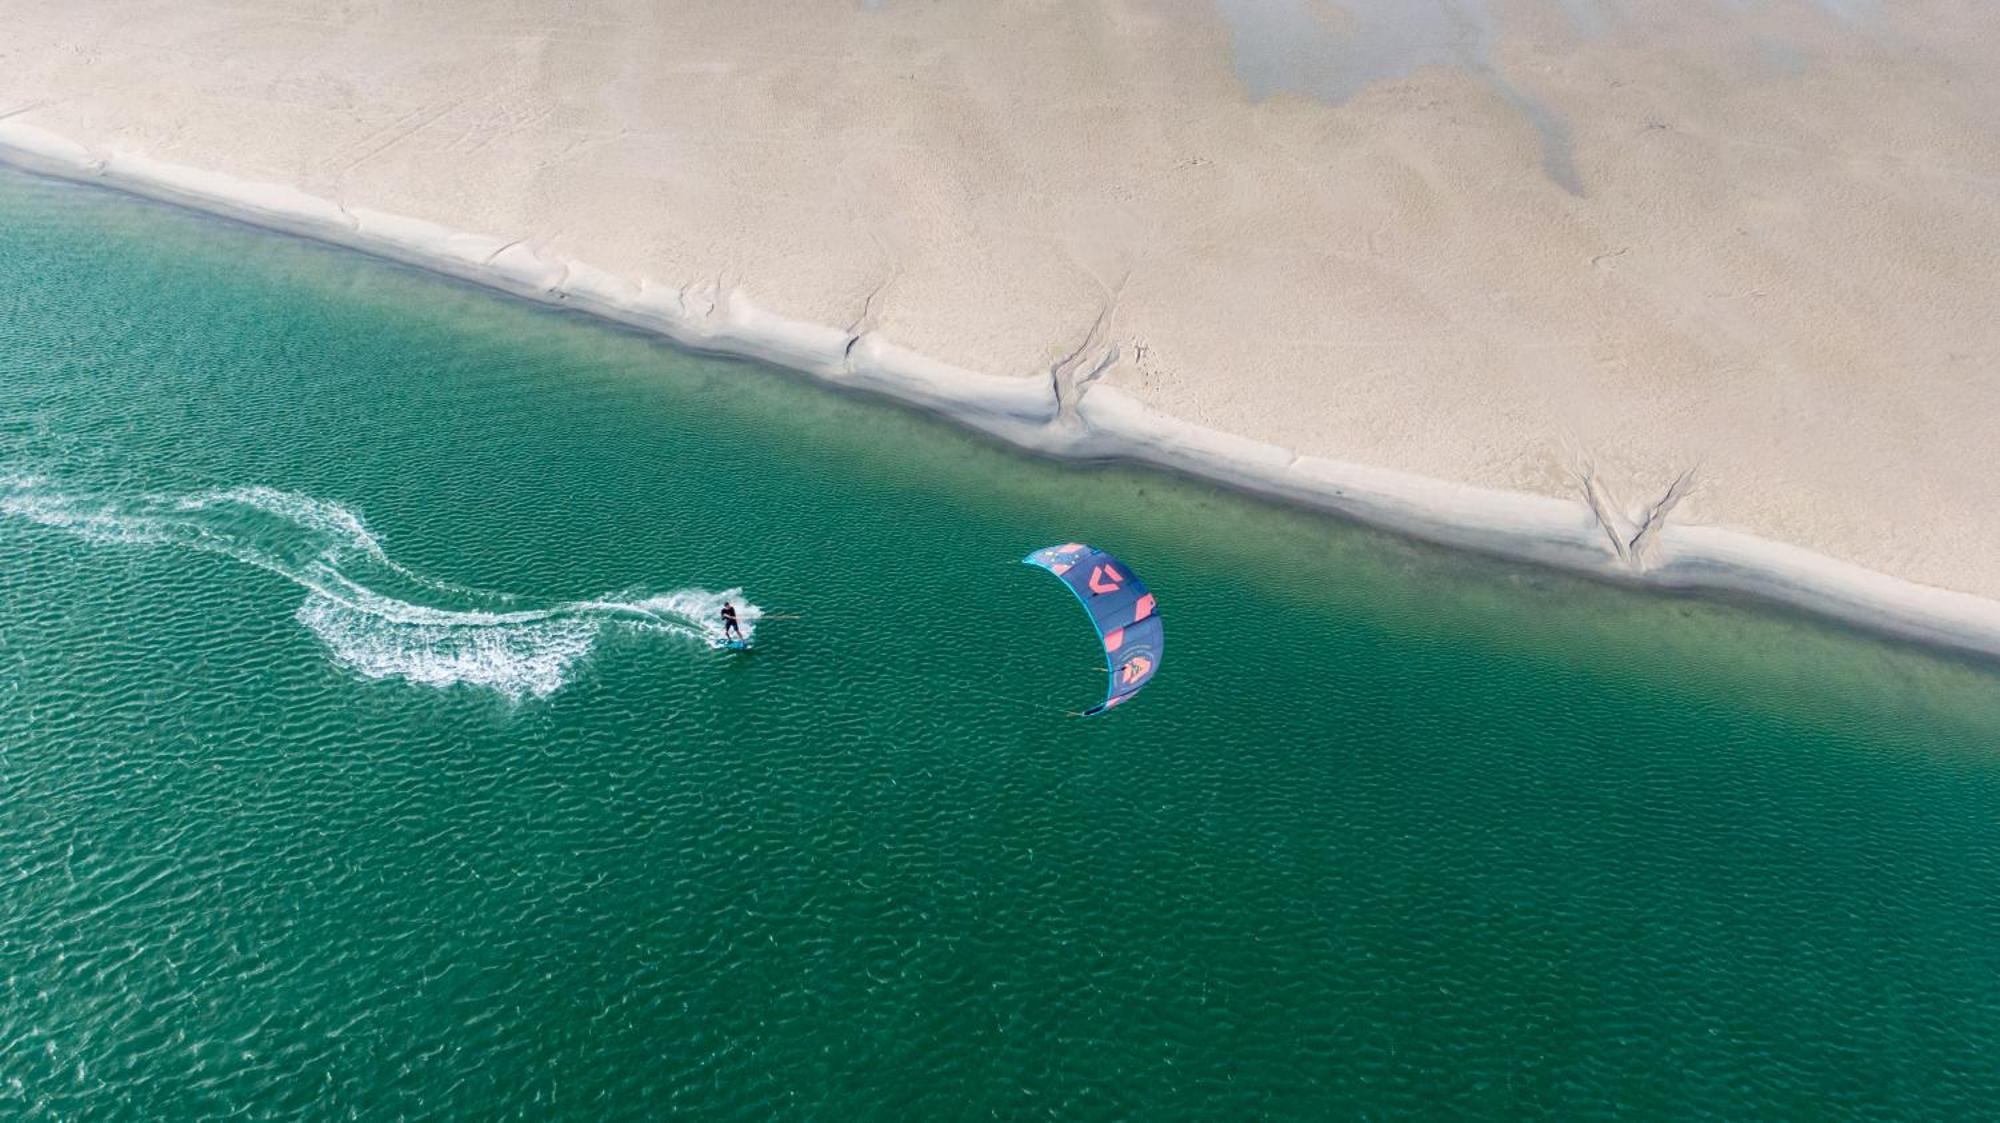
[1127,619]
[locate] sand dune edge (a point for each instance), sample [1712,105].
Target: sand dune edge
[1068,417]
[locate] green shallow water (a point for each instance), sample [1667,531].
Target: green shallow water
[361,756]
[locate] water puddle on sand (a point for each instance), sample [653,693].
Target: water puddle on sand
[1333,50]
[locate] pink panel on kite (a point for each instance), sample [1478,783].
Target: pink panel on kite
[1105,579]
[1143,608]
[1114,640]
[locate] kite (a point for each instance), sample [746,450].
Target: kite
[1126,616]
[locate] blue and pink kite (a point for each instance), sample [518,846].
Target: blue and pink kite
[1126,616]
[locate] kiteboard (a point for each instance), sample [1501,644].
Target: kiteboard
[737,645]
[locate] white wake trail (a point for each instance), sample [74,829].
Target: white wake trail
[375,616]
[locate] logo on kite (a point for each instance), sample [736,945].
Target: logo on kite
[1134,670]
[1125,614]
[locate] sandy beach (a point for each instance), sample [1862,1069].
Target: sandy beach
[1647,283]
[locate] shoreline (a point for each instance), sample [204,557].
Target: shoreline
[1072,418]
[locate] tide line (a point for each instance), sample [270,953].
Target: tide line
[1091,421]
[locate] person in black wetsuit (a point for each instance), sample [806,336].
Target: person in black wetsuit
[729,625]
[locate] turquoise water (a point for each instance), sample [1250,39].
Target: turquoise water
[363,755]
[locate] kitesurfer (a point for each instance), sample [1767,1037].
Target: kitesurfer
[729,625]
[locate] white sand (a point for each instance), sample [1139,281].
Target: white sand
[1780,276]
